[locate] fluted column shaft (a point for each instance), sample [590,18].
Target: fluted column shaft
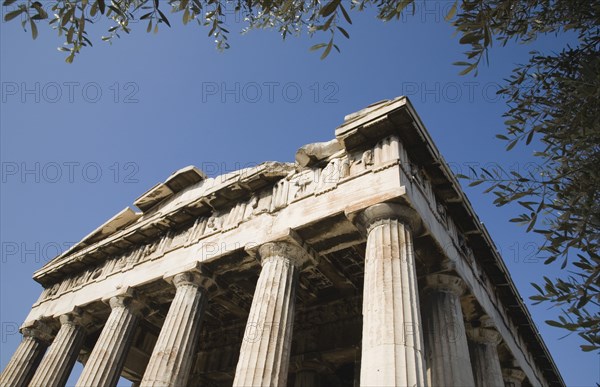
[173,354]
[484,357]
[265,352]
[105,363]
[56,366]
[29,353]
[445,336]
[392,341]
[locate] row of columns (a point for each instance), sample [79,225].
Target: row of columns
[393,342]
[28,355]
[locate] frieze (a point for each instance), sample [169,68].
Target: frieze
[218,221]
[280,194]
[302,181]
[330,176]
[385,151]
[295,186]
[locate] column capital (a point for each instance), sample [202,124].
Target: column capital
[77,317]
[487,370]
[374,215]
[483,335]
[120,301]
[287,245]
[133,304]
[513,375]
[192,278]
[195,275]
[445,283]
[125,298]
[38,330]
[296,254]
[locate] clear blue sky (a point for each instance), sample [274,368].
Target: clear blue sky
[97,134]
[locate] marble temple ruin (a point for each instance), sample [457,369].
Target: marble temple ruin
[361,264]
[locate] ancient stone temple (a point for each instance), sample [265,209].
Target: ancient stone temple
[362,263]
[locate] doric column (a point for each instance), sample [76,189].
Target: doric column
[392,340]
[484,355]
[445,337]
[56,366]
[265,353]
[104,365]
[513,377]
[29,353]
[173,354]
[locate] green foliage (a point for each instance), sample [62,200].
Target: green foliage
[72,16]
[553,98]
[556,98]
[289,17]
